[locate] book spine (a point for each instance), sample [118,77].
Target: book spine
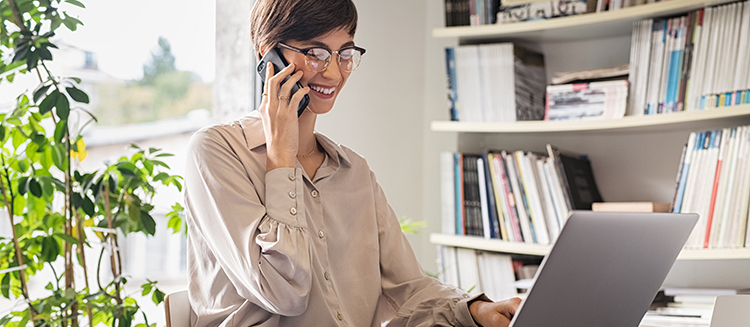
[458,159]
[515,224]
[447,195]
[498,196]
[521,205]
[487,227]
[715,189]
[450,69]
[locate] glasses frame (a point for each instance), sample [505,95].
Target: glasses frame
[304,51]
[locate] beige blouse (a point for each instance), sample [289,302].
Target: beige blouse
[281,249]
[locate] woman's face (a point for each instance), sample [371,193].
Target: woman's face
[324,86]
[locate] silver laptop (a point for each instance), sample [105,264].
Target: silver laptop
[604,270]
[731,311]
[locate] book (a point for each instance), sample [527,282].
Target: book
[472,202]
[468,270]
[591,75]
[630,206]
[578,177]
[586,101]
[525,10]
[447,193]
[450,67]
[495,82]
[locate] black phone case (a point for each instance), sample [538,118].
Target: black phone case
[274,56]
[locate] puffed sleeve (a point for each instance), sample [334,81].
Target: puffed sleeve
[257,232]
[419,300]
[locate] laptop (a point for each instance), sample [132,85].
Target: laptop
[731,311]
[604,270]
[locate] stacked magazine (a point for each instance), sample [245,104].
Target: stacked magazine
[697,61]
[495,83]
[714,182]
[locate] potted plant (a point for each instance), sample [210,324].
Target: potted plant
[59,213]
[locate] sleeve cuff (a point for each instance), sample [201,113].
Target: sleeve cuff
[284,196]
[463,315]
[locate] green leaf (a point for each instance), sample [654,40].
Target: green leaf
[14,121]
[32,61]
[18,138]
[40,92]
[158,296]
[58,156]
[10,77]
[75,3]
[35,188]
[71,23]
[164,155]
[60,130]
[148,223]
[146,288]
[5,286]
[160,163]
[76,200]
[175,223]
[88,206]
[50,249]
[44,54]
[23,185]
[77,95]
[49,102]
[67,238]
[63,107]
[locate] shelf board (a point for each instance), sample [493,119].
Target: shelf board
[687,119]
[480,243]
[579,27]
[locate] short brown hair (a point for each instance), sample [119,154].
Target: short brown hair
[274,21]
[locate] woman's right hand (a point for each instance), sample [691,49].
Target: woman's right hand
[278,110]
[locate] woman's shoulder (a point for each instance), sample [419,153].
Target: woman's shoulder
[243,131]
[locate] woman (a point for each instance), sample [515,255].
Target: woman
[289,228]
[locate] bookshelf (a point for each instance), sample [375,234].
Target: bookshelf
[479,243]
[586,26]
[635,158]
[688,120]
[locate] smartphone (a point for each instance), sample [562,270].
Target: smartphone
[277,58]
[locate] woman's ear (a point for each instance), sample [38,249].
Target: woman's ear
[263,50]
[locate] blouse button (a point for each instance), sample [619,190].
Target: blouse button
[292,194]
[292,177]
[339,316]
[293,210]
[327,276]
[321,234]
[314,193]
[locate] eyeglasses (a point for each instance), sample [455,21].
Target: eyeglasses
[317,58]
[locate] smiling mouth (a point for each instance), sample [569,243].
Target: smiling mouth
[322,90]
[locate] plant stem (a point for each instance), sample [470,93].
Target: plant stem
[112,238]
[19,258]
[17,18]
[80,247]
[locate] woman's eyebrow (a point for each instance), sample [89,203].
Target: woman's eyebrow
[323,45]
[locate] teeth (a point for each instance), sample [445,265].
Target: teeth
[323,90]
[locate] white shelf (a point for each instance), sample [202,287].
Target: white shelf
[682,120]
[586,26]
[480,243]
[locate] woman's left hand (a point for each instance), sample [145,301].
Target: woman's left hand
[494,314]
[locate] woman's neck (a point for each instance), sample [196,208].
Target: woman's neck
[307,139]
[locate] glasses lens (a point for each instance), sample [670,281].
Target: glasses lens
[317,59]
[349,59]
